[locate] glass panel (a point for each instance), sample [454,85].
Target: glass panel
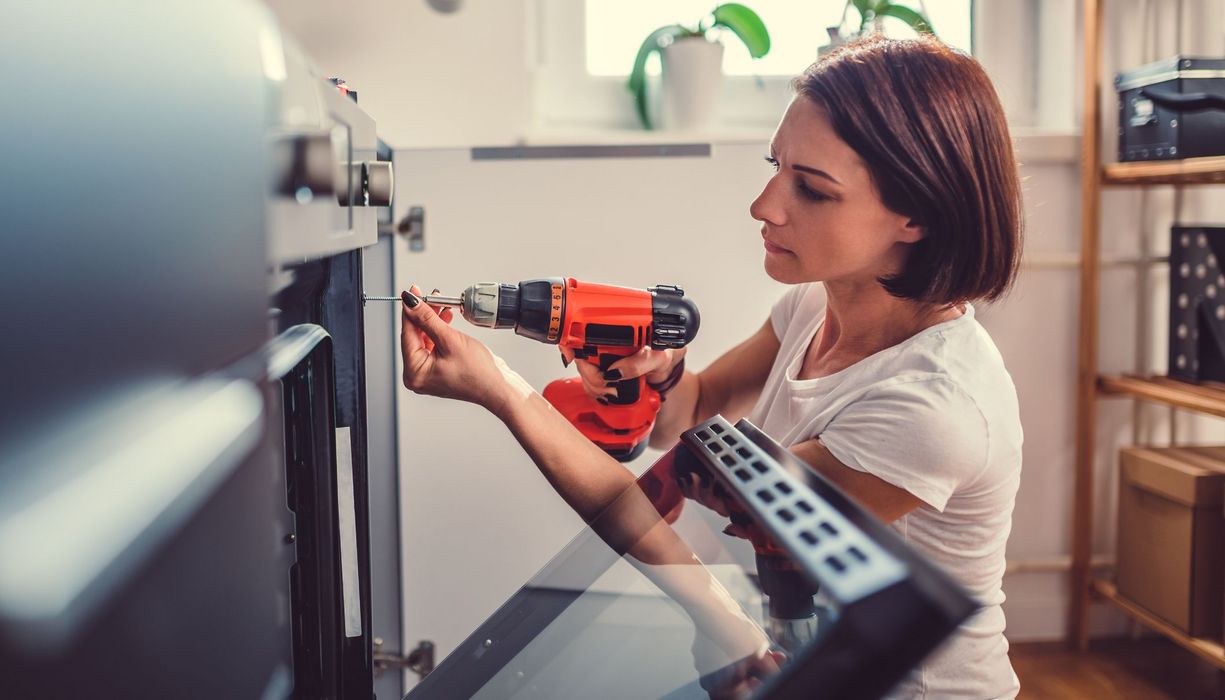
[661,598]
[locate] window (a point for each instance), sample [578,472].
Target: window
[615,29]
[582,52]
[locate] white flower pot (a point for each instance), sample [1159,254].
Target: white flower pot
[692,84]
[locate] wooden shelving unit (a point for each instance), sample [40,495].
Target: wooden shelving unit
[1206,398]
[1192,171]
[1208,649]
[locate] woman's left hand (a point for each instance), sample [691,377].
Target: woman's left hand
[655,365]
[441,361]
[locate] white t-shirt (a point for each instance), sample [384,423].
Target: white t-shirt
[935,415]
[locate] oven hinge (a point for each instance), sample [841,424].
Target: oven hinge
[420,660]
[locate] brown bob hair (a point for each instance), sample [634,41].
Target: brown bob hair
[927,123]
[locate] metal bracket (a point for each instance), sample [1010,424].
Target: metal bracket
[420,660]
[413,228]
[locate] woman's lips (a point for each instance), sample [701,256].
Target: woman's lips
[772,247]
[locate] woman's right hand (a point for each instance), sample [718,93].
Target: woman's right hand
[655,365]
[442,361]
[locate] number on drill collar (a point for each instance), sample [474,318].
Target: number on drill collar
[555,313]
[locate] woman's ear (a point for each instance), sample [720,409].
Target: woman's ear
[912,232]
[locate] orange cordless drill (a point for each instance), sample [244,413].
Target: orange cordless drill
[601,324]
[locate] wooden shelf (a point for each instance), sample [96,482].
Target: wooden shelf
[1192,171]
[1208,649]
[1208,397]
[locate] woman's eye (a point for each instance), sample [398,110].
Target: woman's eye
[773,162]
[809,193]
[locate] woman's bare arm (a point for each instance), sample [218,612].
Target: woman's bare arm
[729,386]
[882,499]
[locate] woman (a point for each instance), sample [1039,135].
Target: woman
[893,205]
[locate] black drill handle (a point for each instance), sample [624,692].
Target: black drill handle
[629,391]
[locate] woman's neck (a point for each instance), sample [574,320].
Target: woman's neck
[861,319]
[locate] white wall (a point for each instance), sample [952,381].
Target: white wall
[429,79]
[431,83]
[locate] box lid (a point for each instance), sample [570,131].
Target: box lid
[1193,476]
[1174,68]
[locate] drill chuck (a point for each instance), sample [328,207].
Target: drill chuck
[481,304]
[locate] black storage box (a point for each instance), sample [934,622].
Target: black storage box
[1172,109]
[1197,303]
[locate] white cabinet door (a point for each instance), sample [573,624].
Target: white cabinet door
[478,519]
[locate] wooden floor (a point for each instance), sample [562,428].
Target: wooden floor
[1149,668]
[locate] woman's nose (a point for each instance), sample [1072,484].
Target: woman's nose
[766,208]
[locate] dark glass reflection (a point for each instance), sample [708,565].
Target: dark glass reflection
[673,592]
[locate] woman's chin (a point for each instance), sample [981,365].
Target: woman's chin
[780,270]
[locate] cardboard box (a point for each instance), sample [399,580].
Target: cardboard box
[1171,549]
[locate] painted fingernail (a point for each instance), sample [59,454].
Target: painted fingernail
[565,361]
[612,374]
[602,401]
[411,299]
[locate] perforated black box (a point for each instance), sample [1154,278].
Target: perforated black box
[1197,303]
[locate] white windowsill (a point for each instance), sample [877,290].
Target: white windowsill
[621,137]
[1034,145]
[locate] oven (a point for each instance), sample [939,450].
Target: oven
[184,469]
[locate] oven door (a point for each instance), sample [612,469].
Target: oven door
[141,550]
[328,580]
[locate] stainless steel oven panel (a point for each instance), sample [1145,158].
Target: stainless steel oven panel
[95,506]
[321,144]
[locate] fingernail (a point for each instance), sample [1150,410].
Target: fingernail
[612,374]
[411,299]
[565,361]
[602,401]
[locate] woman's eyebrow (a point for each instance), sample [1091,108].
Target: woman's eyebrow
[808,169]
[817,172]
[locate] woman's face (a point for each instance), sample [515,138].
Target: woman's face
[822,219]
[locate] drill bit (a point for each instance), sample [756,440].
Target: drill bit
[431,299]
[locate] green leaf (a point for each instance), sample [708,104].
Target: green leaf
[638,76]
[916,20]
[745,24]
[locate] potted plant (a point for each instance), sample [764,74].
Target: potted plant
[872,14]
[693,65]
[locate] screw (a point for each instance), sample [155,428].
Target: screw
[290,538]
[488,643]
